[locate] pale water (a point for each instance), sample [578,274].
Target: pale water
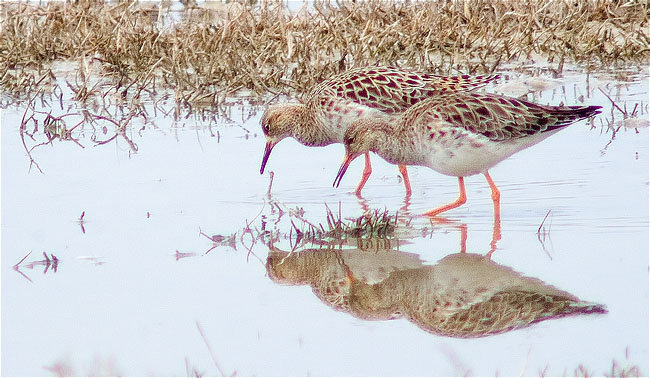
[138,282]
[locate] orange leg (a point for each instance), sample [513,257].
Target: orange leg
[460,226]
[363,203]
[496,196]
[405,176]
[463,238]
[366,173]
[405,209]
[462,198]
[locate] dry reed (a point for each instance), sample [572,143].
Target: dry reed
[265,48]
[128,64]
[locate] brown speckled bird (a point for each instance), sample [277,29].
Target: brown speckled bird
[463,295]
[370,92]
[459,134]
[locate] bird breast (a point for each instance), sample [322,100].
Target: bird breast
[334,115]
[457,152]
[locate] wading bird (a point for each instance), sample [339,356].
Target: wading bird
[382,93]
[459,134]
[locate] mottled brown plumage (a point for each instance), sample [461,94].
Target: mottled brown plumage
[459,134]
[388,89]
[369,92]
[462,295]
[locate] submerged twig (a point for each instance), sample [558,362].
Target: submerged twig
[207,344]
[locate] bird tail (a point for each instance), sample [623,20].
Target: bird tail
[567,115]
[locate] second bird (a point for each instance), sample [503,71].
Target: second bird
[460,134]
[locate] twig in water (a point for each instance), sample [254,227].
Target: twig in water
[23,123]
[21,260]
[542,233]
[81,222]
[214,359]
[268,192]
[542,224]
[181,255]
[613,103]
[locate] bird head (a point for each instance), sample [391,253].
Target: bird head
[359,139]
[278,122]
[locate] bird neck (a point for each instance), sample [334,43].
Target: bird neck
[310,132]
[393,146]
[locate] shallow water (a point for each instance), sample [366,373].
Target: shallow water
[138,282]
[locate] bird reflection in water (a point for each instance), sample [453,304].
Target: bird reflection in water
[406,216]
[463,295]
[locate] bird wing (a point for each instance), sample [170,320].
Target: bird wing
[393,90]
[493,116]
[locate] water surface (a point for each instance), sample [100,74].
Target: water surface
[138,280]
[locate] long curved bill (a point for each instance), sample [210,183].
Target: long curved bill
[344,167]
[267,152]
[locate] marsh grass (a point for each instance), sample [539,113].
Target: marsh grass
[372,224]
[335,231]
[126,64]
[264,47]
[284,225]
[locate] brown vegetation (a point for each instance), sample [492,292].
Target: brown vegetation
[205,54]
[126,62]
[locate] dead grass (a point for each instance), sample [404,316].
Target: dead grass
[373,224]
[290,225]
[124,66]
[265,48]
